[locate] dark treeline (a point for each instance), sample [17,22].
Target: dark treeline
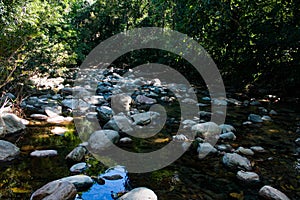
[253,42]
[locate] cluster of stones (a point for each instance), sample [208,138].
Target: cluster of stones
[121,105]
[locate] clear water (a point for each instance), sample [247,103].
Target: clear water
[187,178]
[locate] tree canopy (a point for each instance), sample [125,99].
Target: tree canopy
[252,41]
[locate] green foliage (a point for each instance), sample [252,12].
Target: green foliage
[251,41]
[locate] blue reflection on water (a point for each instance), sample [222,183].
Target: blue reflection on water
[104,192]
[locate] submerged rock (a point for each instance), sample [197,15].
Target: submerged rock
[236,161]
[268,192]
[140,193]
[58,190]
[8,151]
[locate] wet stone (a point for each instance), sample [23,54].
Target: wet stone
[81,182]
[102,139]
[79,167]
[228,136]
[224,147]
[268,192]
[77,154]
[58,190]
[43,153]
[140,193]
[8,151]
[255,118]
[247,176]
[245,151]
[39,116]
[226,128]
[258,149]
[205,149]
[236,161]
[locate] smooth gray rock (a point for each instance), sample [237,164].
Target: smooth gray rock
[207,129]
[245,151]
[102,139]
[255,118]
[53,111]
[228,136]
[268,192]
[8,151]
[39,117]
[144,118]
[258,149]
[224,147]
[55,190]
[105,113]
[59,130]
[266,118]
[234,102]
[119,122]
[79,167]
[60,120]
[180,138]
[145,100]
[205,149]
[226,128]
[248,177]
[236,161]
[273,112]
[188,123]
[43,153]
[125,140]
[140,193]
[219,102]
[189,101]
[121,103]
[77,154]
[81,182]
[297,141]
[77,104]
[12,124]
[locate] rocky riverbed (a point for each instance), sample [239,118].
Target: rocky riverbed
[256,155]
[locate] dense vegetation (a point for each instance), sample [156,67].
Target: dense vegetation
[252,41]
